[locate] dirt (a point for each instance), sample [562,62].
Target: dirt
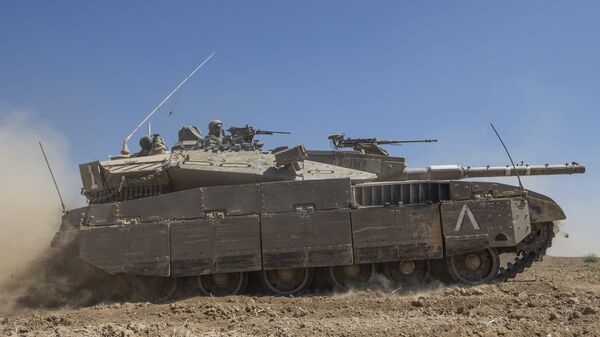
[557,297]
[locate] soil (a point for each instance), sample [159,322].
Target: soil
[556,297]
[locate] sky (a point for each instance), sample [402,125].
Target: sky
[92,71]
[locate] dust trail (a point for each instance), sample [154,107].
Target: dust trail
[31,210]
[382,285]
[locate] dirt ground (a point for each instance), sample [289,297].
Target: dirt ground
[557,297]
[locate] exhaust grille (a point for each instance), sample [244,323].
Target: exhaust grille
[401,193]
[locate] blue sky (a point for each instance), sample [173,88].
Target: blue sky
[390,69]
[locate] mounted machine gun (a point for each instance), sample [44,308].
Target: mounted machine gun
[245,135]
[369,145]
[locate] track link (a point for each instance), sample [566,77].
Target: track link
[526,257]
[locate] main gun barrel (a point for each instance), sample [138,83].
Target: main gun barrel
[456,172]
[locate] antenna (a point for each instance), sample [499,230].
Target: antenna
[53,179]
[125,150]
[509,156]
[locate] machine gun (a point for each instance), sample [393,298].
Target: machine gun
[246,134]
[369,145]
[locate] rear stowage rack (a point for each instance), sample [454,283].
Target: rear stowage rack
[126,193]
[373,194]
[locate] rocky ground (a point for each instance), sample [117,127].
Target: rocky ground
[556,297]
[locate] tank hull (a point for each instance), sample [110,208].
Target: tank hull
[302,225]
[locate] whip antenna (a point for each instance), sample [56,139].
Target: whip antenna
[125,150]
[53,179]
[509,156]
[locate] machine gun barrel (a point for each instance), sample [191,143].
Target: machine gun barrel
[456,172]
[405,141]
[267,132]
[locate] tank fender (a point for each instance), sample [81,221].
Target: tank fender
[543,209]
[69,227]
[466,190]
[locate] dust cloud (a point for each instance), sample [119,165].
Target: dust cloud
[31,210]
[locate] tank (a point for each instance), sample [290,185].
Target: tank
[221,215]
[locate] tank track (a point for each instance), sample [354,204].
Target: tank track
[526,258]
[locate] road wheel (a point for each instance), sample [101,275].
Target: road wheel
[475,267]
[354,275]
[286,282]
[222,284]
[408,273]
[154,288]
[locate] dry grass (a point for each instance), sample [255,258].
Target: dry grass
[591,258]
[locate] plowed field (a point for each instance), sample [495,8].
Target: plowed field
[556,297]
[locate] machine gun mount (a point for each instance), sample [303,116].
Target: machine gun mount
[369,145]
[245,135]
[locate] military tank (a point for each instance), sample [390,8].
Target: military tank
[217,214]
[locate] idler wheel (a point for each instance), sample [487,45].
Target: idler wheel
[354,275]
[155,288]
[408,272]
[475,267]
[286,281]
[541,234]
[222,284]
